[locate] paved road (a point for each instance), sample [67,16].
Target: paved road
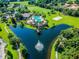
[6,29]
[20,56]
[56,54]
[2,49]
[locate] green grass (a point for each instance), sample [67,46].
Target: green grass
[23,3]
[69,20]
[4,35]
[52,52]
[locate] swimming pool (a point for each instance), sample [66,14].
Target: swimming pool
[37,18]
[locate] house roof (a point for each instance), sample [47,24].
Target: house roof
[26,15]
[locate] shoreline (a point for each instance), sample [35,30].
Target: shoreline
[50,48]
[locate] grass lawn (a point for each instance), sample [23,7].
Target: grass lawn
[4,35]
[23,3]
[69,20]
[52,52]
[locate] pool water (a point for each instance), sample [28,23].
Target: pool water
[37,18]
[30,38]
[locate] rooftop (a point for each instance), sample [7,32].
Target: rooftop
[26,14]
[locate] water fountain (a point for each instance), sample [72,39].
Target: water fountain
[18,0]
[39,46]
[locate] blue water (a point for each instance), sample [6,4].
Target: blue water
[37,18]
[30,38]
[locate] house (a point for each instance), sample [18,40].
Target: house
[71,6]
[26,15]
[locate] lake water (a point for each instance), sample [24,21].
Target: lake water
[30,38]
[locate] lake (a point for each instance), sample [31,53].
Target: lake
[30,38]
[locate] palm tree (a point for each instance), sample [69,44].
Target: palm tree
[15,42]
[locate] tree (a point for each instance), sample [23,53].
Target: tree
[10,35]
[18,16]
[22,25]
[70,1]
[0,29]
[15,42]
[76,55]
[13,21]
[77,13]
[3,19]
[57,43]
[24,53]
[60,47]
[53,11]
[9,55]
[77,1]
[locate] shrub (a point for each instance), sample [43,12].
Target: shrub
[0,29]
[9,55]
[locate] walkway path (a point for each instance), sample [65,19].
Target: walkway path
[56,54]
[20,56]
[6,29]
